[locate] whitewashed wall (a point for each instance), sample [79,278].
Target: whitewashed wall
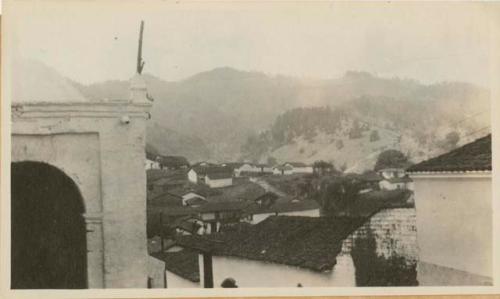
[156,270]
[248,273]
[192,176]
[454,221]
[174,281]
[219,183]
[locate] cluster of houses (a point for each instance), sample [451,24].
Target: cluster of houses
[296,251]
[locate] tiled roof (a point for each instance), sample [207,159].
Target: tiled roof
[306,242]
[219,175]
[283,206]
[404,179]
[183,263]
[196,201]
[474,156]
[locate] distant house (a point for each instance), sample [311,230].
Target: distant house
[213,176]
[453,198]
[370,181]
[172,162]
[250,169]
[283,170]
[394,178]
[269,205]
[396,183]
[219,214]
[190,197]
[216,178]
[299,167]
[389,173]
[151,164]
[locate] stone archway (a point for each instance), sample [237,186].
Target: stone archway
[49,247]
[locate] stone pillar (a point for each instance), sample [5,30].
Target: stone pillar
[138,89]
[95,251]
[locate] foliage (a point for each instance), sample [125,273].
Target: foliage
[374,270]
[451,140]
[374,136]
[356,131]
[321,167]
[391,159]
[336,194]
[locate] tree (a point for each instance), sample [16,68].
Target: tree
[321,167]
[451,140]
[374,136]
[391,159]
[337,194]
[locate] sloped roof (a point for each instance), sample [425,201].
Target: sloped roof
[183,263]
[33,81]
[219,175]
[283,206]
[307,242]
[474,156]
[403,179]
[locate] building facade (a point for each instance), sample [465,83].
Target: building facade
[86,142]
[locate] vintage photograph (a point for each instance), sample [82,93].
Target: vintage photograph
[177,144]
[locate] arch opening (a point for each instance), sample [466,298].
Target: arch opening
[48,232]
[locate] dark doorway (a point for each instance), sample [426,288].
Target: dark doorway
[48,245]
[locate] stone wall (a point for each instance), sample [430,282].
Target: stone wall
[395,232]
[385,250]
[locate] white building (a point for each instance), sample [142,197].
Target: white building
[454,216]
[213,176]
[219,179]
[395,183]
[150,164]
[306,208]
[299,167]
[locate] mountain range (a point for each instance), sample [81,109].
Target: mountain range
[227,115]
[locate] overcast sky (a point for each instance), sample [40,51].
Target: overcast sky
[97,40]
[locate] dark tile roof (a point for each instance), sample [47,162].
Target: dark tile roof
[183,263]
[196,201]
[166,199]
[307,242]
[219,175]
[403,179]
[283,206]
[474,156]
[212,170]
[222,206]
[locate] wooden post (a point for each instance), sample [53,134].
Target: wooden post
[207,270]
[161,232]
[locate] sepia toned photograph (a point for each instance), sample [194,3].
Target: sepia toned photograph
[263,146]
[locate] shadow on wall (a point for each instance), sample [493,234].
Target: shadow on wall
[375,270]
